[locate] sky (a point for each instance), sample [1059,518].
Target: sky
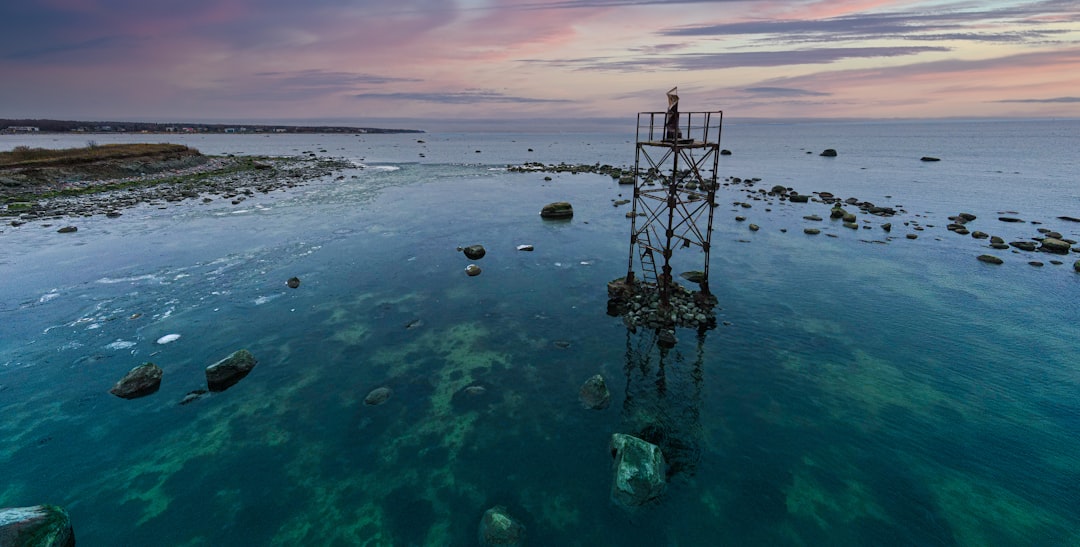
[274,60]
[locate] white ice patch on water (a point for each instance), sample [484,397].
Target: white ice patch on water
[264,299]
[120,344]
[48,296]
[168,338]
[132,279]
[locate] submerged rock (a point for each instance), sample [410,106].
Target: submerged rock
[227,372]
[594,393]
[639,471]
[498,528]
[472,270]
[557,210]
[193,396]
[36,526]
[378,396]
[140,381]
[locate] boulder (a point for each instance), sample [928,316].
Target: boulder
[829,153]
[1023,245]
[140,381]
[638,472]
[887,226]
[293,282]
[472,270]
[979,235]
[990,259]
[1054,245]
[811,231]
[378,396]
[557,210]
[524,247]
[799,198]
[36,526]
[1076,266]
[693,276]
[498,528]
[227,372]
[594,393]
[474,252]
[929,158]
[67,230]
[1010,219]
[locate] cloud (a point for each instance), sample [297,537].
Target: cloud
[738,59]
[783,92]
[461,97]
[1053,100]
[1003,24]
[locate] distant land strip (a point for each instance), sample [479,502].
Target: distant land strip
[8,126]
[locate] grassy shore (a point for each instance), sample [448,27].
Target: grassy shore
[24,156]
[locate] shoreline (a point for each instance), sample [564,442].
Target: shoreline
[221,177]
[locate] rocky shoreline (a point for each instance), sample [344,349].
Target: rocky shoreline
[860,216]
[217,178]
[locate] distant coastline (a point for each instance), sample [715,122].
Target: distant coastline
[10,126]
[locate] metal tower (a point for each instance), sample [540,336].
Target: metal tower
[675,185]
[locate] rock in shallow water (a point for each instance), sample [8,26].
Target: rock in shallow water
[472,270]
[474,252]
[378,396]
[594,393]
[140,381]
[557,210]
[36,526]
[639,471]
[498,528]
[227,372]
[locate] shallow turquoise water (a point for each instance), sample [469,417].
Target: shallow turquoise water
[864,391]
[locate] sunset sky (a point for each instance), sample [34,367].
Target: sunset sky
[205,60]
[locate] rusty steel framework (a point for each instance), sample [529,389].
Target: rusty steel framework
[675,185]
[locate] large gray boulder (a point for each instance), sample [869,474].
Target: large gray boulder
[639,471]
[498,528]
[37,526]
[227,372]
[138,382]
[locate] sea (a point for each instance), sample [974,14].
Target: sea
[859,388]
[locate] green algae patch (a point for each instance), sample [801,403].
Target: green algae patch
[984,513]
[807,498]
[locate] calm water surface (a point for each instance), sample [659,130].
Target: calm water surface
[865,389]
